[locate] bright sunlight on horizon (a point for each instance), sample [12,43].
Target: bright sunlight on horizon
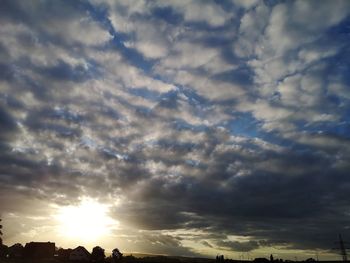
[87,221]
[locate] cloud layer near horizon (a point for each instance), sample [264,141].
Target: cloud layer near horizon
[221,124]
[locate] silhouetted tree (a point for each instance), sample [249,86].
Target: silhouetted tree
[116,255]
[98,254]
[220,259]
[15,251]
[3,251]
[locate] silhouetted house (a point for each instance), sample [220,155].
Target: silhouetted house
[261,260]
[310,260]
[63,254]
[15,251]
[39,250]
[80,254]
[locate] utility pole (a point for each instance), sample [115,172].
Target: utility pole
[342,249]
[0,232]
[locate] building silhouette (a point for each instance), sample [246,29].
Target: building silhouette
[39,250]
[80,254]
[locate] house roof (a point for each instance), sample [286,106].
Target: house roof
[81,248]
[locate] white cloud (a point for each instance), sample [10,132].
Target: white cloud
[245,3]
[200,11]
[142,133]
[151,39]
[290,27]
[211,89]
[65,23]
[301,91]
[187,55]
[252,25]
[83,31]
[286,60]
[118,69]
[154,38]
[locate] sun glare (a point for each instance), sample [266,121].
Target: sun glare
[87,221]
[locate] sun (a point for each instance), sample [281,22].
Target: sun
[88,221]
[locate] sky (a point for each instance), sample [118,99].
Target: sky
[176,127]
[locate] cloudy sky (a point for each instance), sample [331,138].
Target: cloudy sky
[185,127]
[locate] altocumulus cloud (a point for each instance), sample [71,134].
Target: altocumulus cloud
[217,125]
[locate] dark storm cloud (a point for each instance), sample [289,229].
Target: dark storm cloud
[205,243]
[7,122]
[239,246]
[264,201]
[6,72]
[158,243]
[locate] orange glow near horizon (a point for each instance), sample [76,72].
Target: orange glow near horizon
[86,222]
